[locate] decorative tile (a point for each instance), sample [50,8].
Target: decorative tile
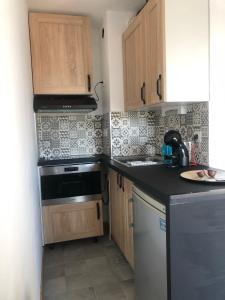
[116,133]
[124,132]
[204,118]
[67,135]
[46,135]
[125,151]
[73,143]
[134,132]
[143,131]
[119,134]
[189,118]
[134,140]
[182,120]
[125,122]
[143,140]
[81,134]
[64,124]
[116,142]
[190,133]
[46,126]
[197,119]
[54,144]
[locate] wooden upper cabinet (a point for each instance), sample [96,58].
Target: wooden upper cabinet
[174,51]
[154,52]
[133,64]
[61,53]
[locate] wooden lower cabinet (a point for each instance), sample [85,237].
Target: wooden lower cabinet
[72,221]
[117,211]
[121,214]
[129,222]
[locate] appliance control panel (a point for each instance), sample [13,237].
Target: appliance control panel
[71,169]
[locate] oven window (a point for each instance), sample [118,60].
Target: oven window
[70,185]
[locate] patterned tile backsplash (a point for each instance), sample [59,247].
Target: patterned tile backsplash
[195,121]
[119,134]
[68,135]
[130,133]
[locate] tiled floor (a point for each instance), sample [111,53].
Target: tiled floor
[85,270]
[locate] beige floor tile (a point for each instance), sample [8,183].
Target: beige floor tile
[111,250]
[82,294]
[103,277]
[110,291]
[60,296]
[53,256]
[97,264]
[93,250]
[73,253]
[75,267]
[128,289]
[51,272]
[55,286]
[88,271]
[78,281]
[122,271]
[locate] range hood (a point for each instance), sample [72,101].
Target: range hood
[57,103]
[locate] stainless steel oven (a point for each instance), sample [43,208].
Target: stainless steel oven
[69,183]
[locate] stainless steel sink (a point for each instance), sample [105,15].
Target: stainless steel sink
[138,161]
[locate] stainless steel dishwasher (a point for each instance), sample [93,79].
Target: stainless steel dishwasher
[149,247]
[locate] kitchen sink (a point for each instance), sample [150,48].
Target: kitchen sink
[138,161]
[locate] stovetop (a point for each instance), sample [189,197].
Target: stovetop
[70,161]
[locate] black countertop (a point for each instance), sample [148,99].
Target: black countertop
[165,183]
[159,181]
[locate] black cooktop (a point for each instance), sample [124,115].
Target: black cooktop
[70,161]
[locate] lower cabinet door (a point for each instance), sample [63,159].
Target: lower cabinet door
[121,214]
[128,228]
[72,221]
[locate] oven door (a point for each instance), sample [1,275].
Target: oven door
[70,185]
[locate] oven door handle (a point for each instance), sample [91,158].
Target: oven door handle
[98,211]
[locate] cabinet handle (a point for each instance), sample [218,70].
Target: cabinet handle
[89,82]
[130,200]
[98,211]
[121,181]
[143,93]
[159,81]
[131,225]
[117,179]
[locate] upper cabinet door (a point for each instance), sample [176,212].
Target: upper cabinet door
[154,51]
[61,54]
[133,64]
[173,36]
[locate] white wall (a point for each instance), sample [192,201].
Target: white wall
[20,230]
[97,65]
[115,23]
[217,97]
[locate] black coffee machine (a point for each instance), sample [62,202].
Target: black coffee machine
[180,155]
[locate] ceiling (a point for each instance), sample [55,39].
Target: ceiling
[93,8]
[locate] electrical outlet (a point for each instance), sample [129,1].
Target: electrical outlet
[197,136]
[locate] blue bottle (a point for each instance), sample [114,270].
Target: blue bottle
[167,151]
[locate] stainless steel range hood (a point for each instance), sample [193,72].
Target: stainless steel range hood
[57,103]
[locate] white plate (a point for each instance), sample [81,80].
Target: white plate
[193,176]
